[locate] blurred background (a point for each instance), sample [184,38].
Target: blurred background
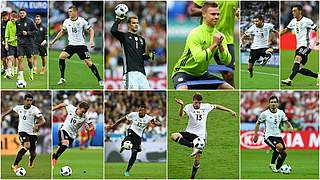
[301,108]
[152,20]
[179,26]
[92,138]
[121,103]
[10,143]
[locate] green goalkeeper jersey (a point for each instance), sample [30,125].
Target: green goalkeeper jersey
[196,56]
[10,34]
[226,19]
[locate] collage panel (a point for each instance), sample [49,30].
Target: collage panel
[24,44]
[25,134]
[76,44]
[135,45]
[203,49]
[279,135]
[136,131]
[259,45]
[299,44]
[77,133]
[200,140]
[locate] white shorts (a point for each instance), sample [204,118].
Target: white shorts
[135,80]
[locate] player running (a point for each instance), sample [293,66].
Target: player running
[76,117]
[197,113]
[75,26]
[134,45]
[139,122]
[302,27]
[4,52]
[39,45]
[203,43]
[260,47]
[229,10]
[272,117]
[30,119]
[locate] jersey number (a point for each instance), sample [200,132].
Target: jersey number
[24,117]
[140,124]
[73,121]
[199,117]
[74,30]
[275,121]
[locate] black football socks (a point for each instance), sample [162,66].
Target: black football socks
[95,71]
[19,156]
[62,67]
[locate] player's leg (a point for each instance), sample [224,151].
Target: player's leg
[177,137]
[32,150]
[28,50]
[62,64]
[9,70]
[64,142]
[267,56]
[35,52]
[94,70]
[43,54]
[132,159]
[196,165]
[142,81]
[305,71]
[283,154]
[136,147]
[225,86]
[25,142]
[20,54]
[253,57]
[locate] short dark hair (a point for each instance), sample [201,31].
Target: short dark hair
[22,10]
[258,17]
[28,96]
[273,97]
[208,4]
[197,96]
[84,104]
[74,7]
[14,12]
[38,15]
[298,6]
[131,17]
[4,13]
[142,106]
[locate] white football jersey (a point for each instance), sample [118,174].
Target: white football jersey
[27,118]
[76,30]
[272,122]
[138,124]
[260,35]
[73,122]
[198,118]
[302,30]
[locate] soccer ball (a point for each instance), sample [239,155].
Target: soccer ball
[127,145]
[21,84]
[286,169]
[199,143]
[121,10]
[21,171]
[66,171]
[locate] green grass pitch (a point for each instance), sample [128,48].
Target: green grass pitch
[300,81]
[41,170]
[39,82]
[85,164]
[220,158]
[175,49]
[304,163]
[139,170]
[77,73]
[264,77]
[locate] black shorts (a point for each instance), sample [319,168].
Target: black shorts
[181,77]
[82,51]
[25,137]
[135,140]
[188,136]
[4,52]
[25,50]
[272,141]
[12,51]
[63,135]
[231,51]
[39,50]
[303,52]
[255,54]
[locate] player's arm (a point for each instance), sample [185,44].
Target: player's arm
[113,126]
[289,125]
[220,107]
[91,35]
[284,31]
[6,113]
[40,122]
[59,106]
[115,32]
[223,51]
[194,10]
[7,36]
[181,103]
[156,122]
[256,129]
[33,29]
[148,54]
[58,36]
[45,36]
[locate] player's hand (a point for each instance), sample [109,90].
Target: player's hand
[6,47]
[91,44]
[43,42]
[255,138]
[24,33]
[179,101]
[218,38]
[36,128]
[152,54]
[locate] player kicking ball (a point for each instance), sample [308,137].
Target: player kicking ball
[30,119]
[272,117]
[302,27]
[139,122]
[75,26]
[76,117]
[197,113]
[260,47]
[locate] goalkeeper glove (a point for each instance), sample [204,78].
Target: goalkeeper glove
[149,55]
[120,19]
